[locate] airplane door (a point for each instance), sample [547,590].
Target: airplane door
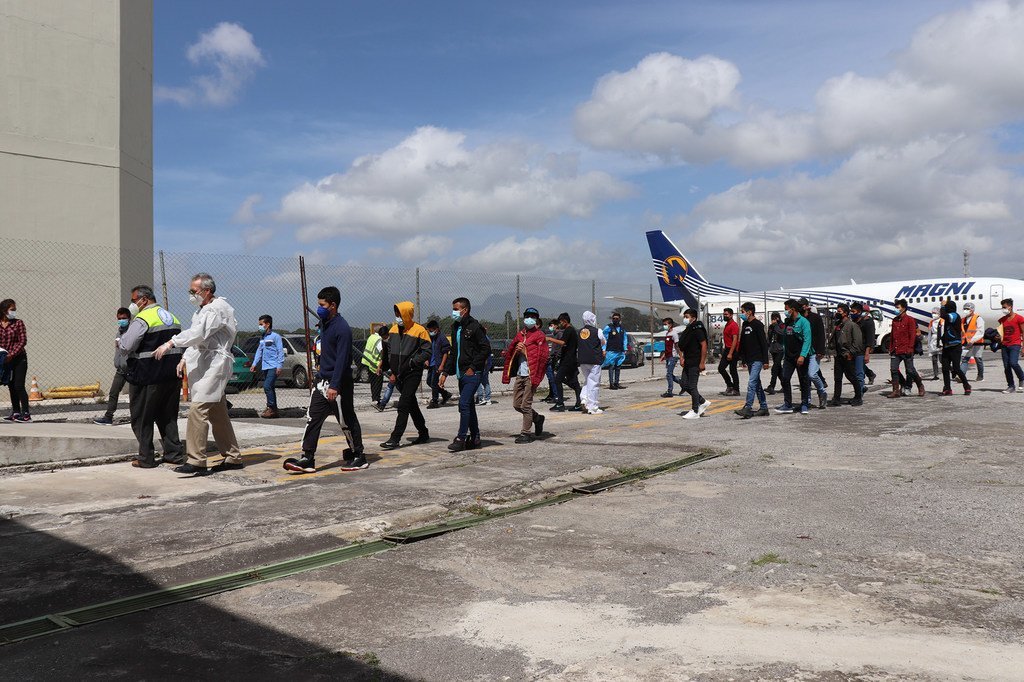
[996,296]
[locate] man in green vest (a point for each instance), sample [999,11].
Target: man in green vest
[154,384]
[371,361]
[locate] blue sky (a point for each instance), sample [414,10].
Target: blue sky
[489,140]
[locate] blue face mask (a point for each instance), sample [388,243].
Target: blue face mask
[743,317]
[456,315]
[323,313]
[530,322]
[123,324]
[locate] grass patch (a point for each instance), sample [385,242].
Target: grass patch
[766,458]
[477,510]
[629,471]
[988,590]
[769,558]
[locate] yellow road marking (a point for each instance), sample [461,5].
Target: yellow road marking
[719,408]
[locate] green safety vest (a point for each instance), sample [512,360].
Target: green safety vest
[143,368]
[371,356]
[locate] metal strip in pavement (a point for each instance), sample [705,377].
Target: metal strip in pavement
[64,620]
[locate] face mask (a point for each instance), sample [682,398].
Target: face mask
[1006,311]
[456,315]
[686,322]
[551,329]
[743,317]
[123,324]
[133,308]
[855,316]
[323,313]
[400,322]
[664,327]
[529,322]
[195,300]
[12,315]
[616,323]
[432,334]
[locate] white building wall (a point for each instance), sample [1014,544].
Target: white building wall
[76,175]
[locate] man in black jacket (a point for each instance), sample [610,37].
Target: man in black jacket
[568,366]
[867,329]
[754,351]
[409,350]
[467,361]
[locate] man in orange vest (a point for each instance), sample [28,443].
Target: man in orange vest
[974,340]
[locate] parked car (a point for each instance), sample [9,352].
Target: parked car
[498,347]
[634,354]
[241,376]
[293,372]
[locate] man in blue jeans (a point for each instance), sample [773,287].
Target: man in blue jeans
[269,359]
[671,356]
[754,351]
[467,361]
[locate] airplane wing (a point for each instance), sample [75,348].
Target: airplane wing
[666,309]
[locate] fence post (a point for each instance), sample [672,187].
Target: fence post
[519,313]
[651,320]
[163,280]
[417,295]
[305,323]
[593,296]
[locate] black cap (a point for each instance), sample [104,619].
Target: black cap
[805,302]
[531,311]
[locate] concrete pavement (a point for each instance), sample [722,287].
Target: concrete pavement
[853,543]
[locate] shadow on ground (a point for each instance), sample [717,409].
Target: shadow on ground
[191,640]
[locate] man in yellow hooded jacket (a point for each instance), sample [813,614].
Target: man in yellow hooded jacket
[409,352]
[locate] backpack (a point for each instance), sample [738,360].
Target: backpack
[952,331]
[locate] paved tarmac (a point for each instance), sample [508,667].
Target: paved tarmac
[880,542]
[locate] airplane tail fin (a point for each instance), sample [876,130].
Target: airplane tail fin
[678,278]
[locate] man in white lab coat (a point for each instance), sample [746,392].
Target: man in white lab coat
[208,361]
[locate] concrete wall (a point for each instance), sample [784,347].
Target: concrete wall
[76,174]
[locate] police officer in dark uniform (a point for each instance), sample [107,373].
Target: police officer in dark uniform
[154,385]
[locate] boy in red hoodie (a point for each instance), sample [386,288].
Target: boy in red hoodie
[526,359]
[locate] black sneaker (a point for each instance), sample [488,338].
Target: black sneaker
[473,443]
[822,400]
[300,466]
[770,391]
[835,403]
[763,412]
[433,405]
[578,407]
[457,445]
[559,407]
[347,455]
[378,407]
[857,402]
[445,397]
[744,412]
[538,424]
[12,417]
[192,470]
[523,438]
[666,395]
[25,419]
[356,464]
[229,466]
[103,421]
[421,439]
[390,444]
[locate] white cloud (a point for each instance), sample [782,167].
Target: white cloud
[246,211]
[432,181]
[542,256]
[962,72]
[421,248]
[886,212]
[231,56]
[256,236]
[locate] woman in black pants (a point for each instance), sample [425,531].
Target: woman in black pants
[13,340]
[775,332]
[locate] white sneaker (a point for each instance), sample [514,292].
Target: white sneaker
[597,410]
[703,408]
[691,415]
[1020,389]
[1010,389]
[484,402]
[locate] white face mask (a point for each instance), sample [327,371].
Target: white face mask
[400,322]
[133,308]
[195,300]
[1006,311]
[12,314]
[529,322]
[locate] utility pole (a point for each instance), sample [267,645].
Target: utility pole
[967,263]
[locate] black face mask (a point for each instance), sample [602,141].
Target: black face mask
[615,323]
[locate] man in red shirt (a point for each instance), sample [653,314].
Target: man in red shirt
[1011,323]
[902,341]
[671,356]
[730,354]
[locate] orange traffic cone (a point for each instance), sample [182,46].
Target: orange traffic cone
[971,362]
[34,393]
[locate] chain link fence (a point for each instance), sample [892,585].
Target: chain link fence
[68,295]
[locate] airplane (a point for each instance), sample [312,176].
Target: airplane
[683,286]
